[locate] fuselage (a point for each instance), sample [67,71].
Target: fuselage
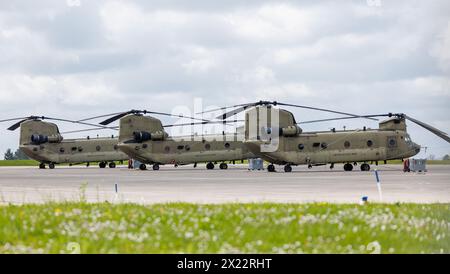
[337,147]
[186,151]
[75,151]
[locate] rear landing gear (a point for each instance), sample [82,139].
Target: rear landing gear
[365,167]
[102,164]
[210,166]
[348,167]
[332,166]
[223,166]
[155,167]
[41,166]
[112,165]
[287,168]
[271,168]
[142,167]
[51,165]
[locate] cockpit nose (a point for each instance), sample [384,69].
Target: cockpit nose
[416,147]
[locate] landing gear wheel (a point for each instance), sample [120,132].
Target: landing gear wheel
[287,168]
[142,167]
[271,168]
[223,166]
[41,166]
[348,167]
[365,167]
[209,166]
[155,167]
[332,166]
[51,165]
[102,164]
[112,165]
[87,164]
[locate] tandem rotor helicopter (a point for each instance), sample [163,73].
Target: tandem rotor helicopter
[143,138]
[274,135]
[43,142]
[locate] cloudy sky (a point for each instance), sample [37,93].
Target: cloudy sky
[78,58]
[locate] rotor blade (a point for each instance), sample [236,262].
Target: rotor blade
[174,115]
[77,122]
[114,118]
[13,119]
[335,119]
[84,130]
[17,125]
[224,108]
[322,109]
[234,112]
[100,116]
[204,123]
[432,129]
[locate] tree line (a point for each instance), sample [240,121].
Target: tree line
[17,155]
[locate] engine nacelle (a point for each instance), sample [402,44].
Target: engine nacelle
[290,131]
[41,139]
[142,136]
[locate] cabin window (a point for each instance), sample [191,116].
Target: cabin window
[316,145]
[187,147]
[370,143]
[392,142]
[301,146]
[74,148]
[180,147]
[347,144]
[61,150]
[324,145]
[227,145]
[167,149]
[207,146]
[98,148]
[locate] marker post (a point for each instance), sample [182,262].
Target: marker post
[380,193]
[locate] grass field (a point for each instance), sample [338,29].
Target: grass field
[226,228]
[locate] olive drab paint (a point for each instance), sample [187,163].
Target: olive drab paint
[52,148]
[295,147]
[159,148]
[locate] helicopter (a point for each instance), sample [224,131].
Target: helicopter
[143,138]
[274,135]
[43,142]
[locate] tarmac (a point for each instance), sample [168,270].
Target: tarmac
[20,185]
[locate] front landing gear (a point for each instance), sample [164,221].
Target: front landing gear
[271,168]
[142,167]
[41,166]
[51,165]
[223,166]
[210,166]
[155,167]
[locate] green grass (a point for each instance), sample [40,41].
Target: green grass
[19,163]
[225,228]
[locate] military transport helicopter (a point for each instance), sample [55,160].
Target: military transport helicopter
[295,147]
[144,138]
[43,142]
